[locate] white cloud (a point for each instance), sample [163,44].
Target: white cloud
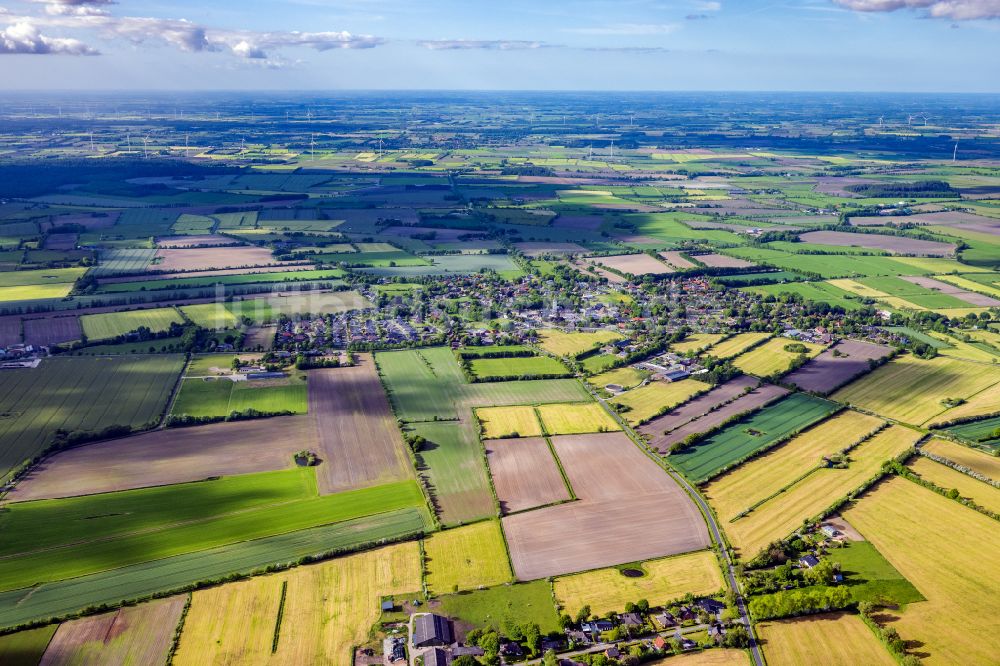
[481,44]
[626,29]
[23,37]
[956,10]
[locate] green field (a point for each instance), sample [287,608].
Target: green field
[520,367]
[25,648]
[985,432]
[113,324]
[45,276]
[870,577]
[926,298]
[214,316]
[598,362]
[85,394]
[519,604]
[221,397]
[827,265]
[821,292]
[109,587]
[173,524]
[707,458]
[455,469]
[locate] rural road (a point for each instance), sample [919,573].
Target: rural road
[712,524]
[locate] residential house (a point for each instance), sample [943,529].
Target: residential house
[808,561]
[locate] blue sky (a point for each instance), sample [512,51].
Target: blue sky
[869,45]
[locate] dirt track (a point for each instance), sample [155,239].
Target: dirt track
[525,474]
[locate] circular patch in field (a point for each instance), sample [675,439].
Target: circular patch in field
[633,573]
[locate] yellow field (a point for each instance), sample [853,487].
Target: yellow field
[939,265]
[771,357]
[35,291]
[716,657]
[466,558]
[911,389]
[576,418]
[943,476]
[329,608]
[857,288]
[780,516]
[981,404]
[608,590]
[214,316]
[951,554]
[991,338]
[500,422]
[624,377]
[736,345]
[572,344]
[962,350]
[696,342]
[978,461]
[831,639]
[762,477]
[649,400]
[969,284]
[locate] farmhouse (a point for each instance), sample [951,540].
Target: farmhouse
[431,630]
[808,561]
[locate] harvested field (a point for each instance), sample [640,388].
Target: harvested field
[465,558]
[169,260]
[114,324]
[629,510]
[677,260]
[780,516]
[716,657]
[736,345]
[573,344]
[165,457]
[542,249]
[829,371]
[576,418]
[773,358]
[893,244]
[696,342]
[697,407]
[655,398]
[358,437]
[751,401]
[52,330]
[666,580]
[723,261]
[968,487]
[977,461]
[634,264]
[504,422]
[192,275]
[915,529]
[525,475]
[833,639]
[214,240]
[139,634]
[969,297]
[329,608]
[911,389]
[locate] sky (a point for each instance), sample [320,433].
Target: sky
[802,45]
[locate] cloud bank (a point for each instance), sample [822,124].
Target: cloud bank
[954,10]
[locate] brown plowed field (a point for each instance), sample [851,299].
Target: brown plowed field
[697,407]
[827,372]
[52,330]
[722,261]
[525,474]
[61,241]
[944,218]
[10,330]
[170,456]
[359,442]
[589,222]
[204,258]
[756,398]
[139,635]
[676,260]
[629,510]
[635,264]
[968,296]
[895,244]
[198,274]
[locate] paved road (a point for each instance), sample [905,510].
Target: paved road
[712,525]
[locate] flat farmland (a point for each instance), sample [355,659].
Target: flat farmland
[677,260]
[452,465]
[504,422]
[911,389]
[985,464]
[755,399]
[723,261]
[778,517]
[113,324]
[697,407]
[268,309]
[465,558]
[52,330]
[982,404]
[894,244]
[705,459]
[980,492]
[654,398]
[837,639]
[627,378]
[829,371]
[983,432]
[759,479]
[80,394]
[525,475]
[139,634]
[629,510]
[716,657]
[576,418]
[329,608]
[25,648]
[773,358]
[736,345]
[513,368]
[359,441]
[213,316]
[573,344]
[969,297]
[165,457]
[635,264]
[914,528]
[666,580]
[169,260]
[219,397]
[696,342]
[10,330]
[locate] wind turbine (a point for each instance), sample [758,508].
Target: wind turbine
[186,138]
[954,156]
[909,121]
[590,155]
[881,121]
[145,147]
[612,149]
[128,140]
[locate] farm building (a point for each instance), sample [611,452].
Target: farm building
[436,657]
[431,630]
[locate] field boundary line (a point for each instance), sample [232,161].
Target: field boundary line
[174,393]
